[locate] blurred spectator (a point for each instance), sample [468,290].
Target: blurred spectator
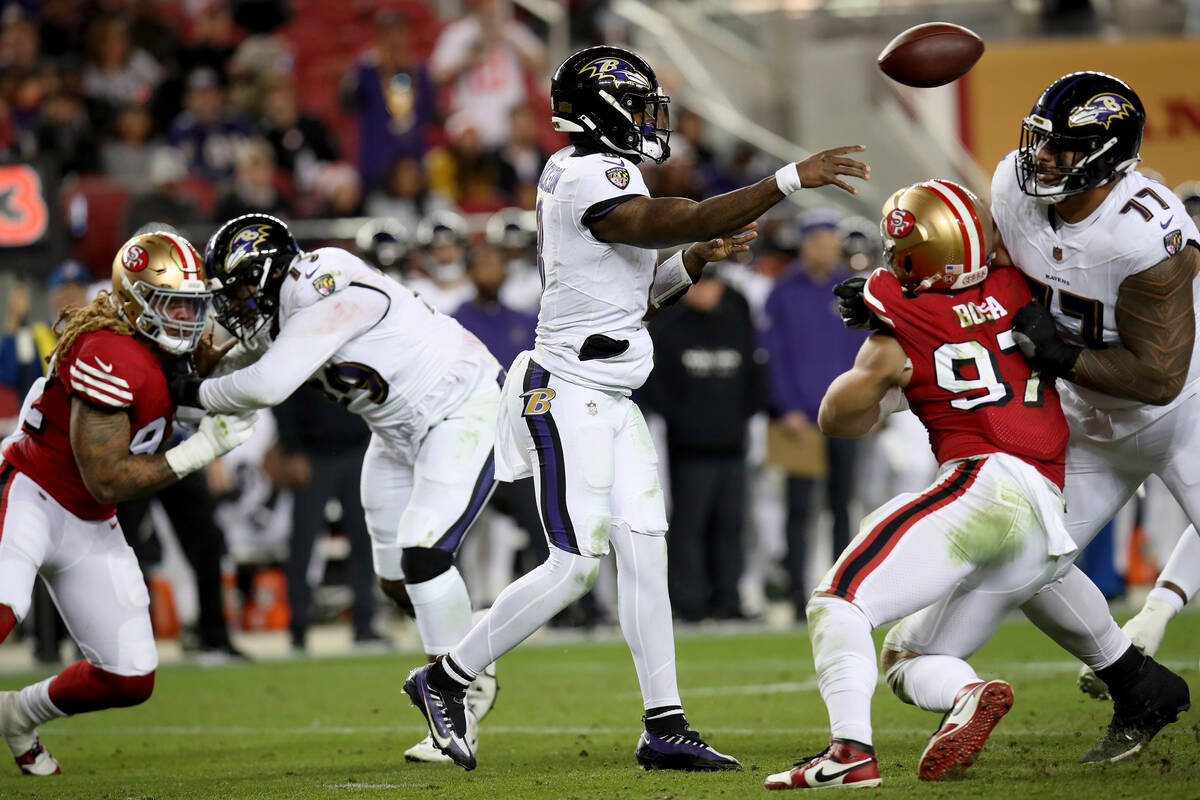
[706,384]
[1189,193]
[514,232]
[64,133]
[862,247]
[521,157]
[485,57]
[385,243]
[254,188]
[213,39]
[808,347]
[128,151]
[323,447]
[404,195]
[504,330]
[61,28]
[261,16]
[161,196]
[26,345]
[154,28]
[258,62]
[206,131]
[678,177]
[339,190]
[464,172]
[393,97]
[117,73]
[444,285]
[302,143]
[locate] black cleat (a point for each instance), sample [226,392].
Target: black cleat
[1156,699]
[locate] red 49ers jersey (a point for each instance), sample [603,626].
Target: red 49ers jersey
[970,386]
[112,372]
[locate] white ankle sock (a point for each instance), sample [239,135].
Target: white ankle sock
[930,682]
[844,656]
[36,703]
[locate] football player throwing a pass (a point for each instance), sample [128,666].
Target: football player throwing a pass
[992,522]
[426,388]
[566,417]
[89,438]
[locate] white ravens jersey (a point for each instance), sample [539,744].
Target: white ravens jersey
[592,288]
[399,374]
[1078,268]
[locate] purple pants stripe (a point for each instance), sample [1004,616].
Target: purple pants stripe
[555,518]
[485,484]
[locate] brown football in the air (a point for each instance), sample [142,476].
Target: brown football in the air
[932,54]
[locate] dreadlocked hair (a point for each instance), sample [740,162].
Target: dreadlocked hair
[102,314]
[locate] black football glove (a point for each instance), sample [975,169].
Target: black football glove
[183,383]
[853,308]
[1035,333]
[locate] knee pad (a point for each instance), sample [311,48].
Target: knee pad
[421,564]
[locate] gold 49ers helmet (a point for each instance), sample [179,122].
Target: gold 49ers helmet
[937,236]
[159,285]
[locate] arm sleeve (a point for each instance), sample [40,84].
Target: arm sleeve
[882,295]
[309,338]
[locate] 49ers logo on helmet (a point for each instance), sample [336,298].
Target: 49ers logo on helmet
[899,223]
[135,259]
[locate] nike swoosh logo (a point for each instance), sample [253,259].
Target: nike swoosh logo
[821,776]
[112,526]
[1168,222]
[443,742]
[103,366]
[311,272]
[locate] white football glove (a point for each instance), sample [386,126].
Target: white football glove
[218,434]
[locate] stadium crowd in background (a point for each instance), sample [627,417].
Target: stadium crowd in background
[196,111]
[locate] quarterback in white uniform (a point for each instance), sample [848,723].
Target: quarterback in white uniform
[425,386]
[566,416]
[1110,256]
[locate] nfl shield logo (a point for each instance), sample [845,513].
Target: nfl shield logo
[1057,253]
[618,177]
[1173,242]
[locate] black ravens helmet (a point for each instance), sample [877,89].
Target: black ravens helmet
[611,97]
[1090,117]
[247,260]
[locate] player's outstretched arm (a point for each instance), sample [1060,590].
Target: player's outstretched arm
[670,221]
[854,402]
[1156,320]
[100,442]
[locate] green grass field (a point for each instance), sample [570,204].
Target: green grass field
[566,723]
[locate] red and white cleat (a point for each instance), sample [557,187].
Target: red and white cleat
[19,734]
[965,730]
[843,765]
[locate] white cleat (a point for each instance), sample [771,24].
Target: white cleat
[481,694]
[1145,630]
[20,734]
[426,752]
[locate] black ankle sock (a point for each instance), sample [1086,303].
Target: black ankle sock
[444,679]
[664,720]
[1121,673]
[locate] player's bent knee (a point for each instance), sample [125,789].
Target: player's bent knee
[398,593]
[421,564]
[889,657]
[133,690]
